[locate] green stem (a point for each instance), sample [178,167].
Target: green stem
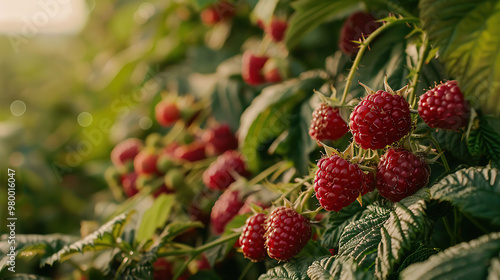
[448,230]
[457,221]
[440,151]
[423,53]
[184,266]
[363,48]
[198,250]
[264,174]
[245,271]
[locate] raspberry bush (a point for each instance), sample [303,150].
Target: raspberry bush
[298,140]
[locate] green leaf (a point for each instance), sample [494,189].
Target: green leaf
[337,221]
[155,217]
[407,225]
[386,233]
[176,228]
[453,143]
[102,239]
[341,268]
[296,269]
[33,245]
[466,33]
[422,253]
[219,252]
[484,140]
[297,144]
[475,191]
[229,99]
[471,260]
[361,238]
[269,115]
[309,14]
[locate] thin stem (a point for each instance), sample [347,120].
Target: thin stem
[184,266]
[457,220]
[448,230]
[245,271]
[363,48]
[264,174]
[440,151]
[413,89]
[200,249]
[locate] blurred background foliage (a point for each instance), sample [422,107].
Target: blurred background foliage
[113,71]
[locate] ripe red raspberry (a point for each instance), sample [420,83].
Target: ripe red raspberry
[401,173]
[128,183]
[287,232]
[224,210]
[252,238]
[145,163]
[276,29]
[327,124]
[337,183]
[273,76]
[369,183]
[251,68]
[355,26]
[218,175]
[125,151]
[217,13]
[380,119]
[219,139]
[192,152]
[162,269]
[444,107]
[167,113]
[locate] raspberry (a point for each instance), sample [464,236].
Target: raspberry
[145,163]
[251,70]
[327,124]
[128,183]
[218,175]
[162,269]
[287,232]
[355,26]
[337,183]
[369,183]
[401,173]
[167,113]
[273,76]
[252,238]
[125,151]
[217,13]
[192,152]
[219,139]
[277,29]
[380,119]
[224,210]
[444,107]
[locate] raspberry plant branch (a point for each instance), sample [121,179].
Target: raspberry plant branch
[440,151]
[365,44]
[424,50]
